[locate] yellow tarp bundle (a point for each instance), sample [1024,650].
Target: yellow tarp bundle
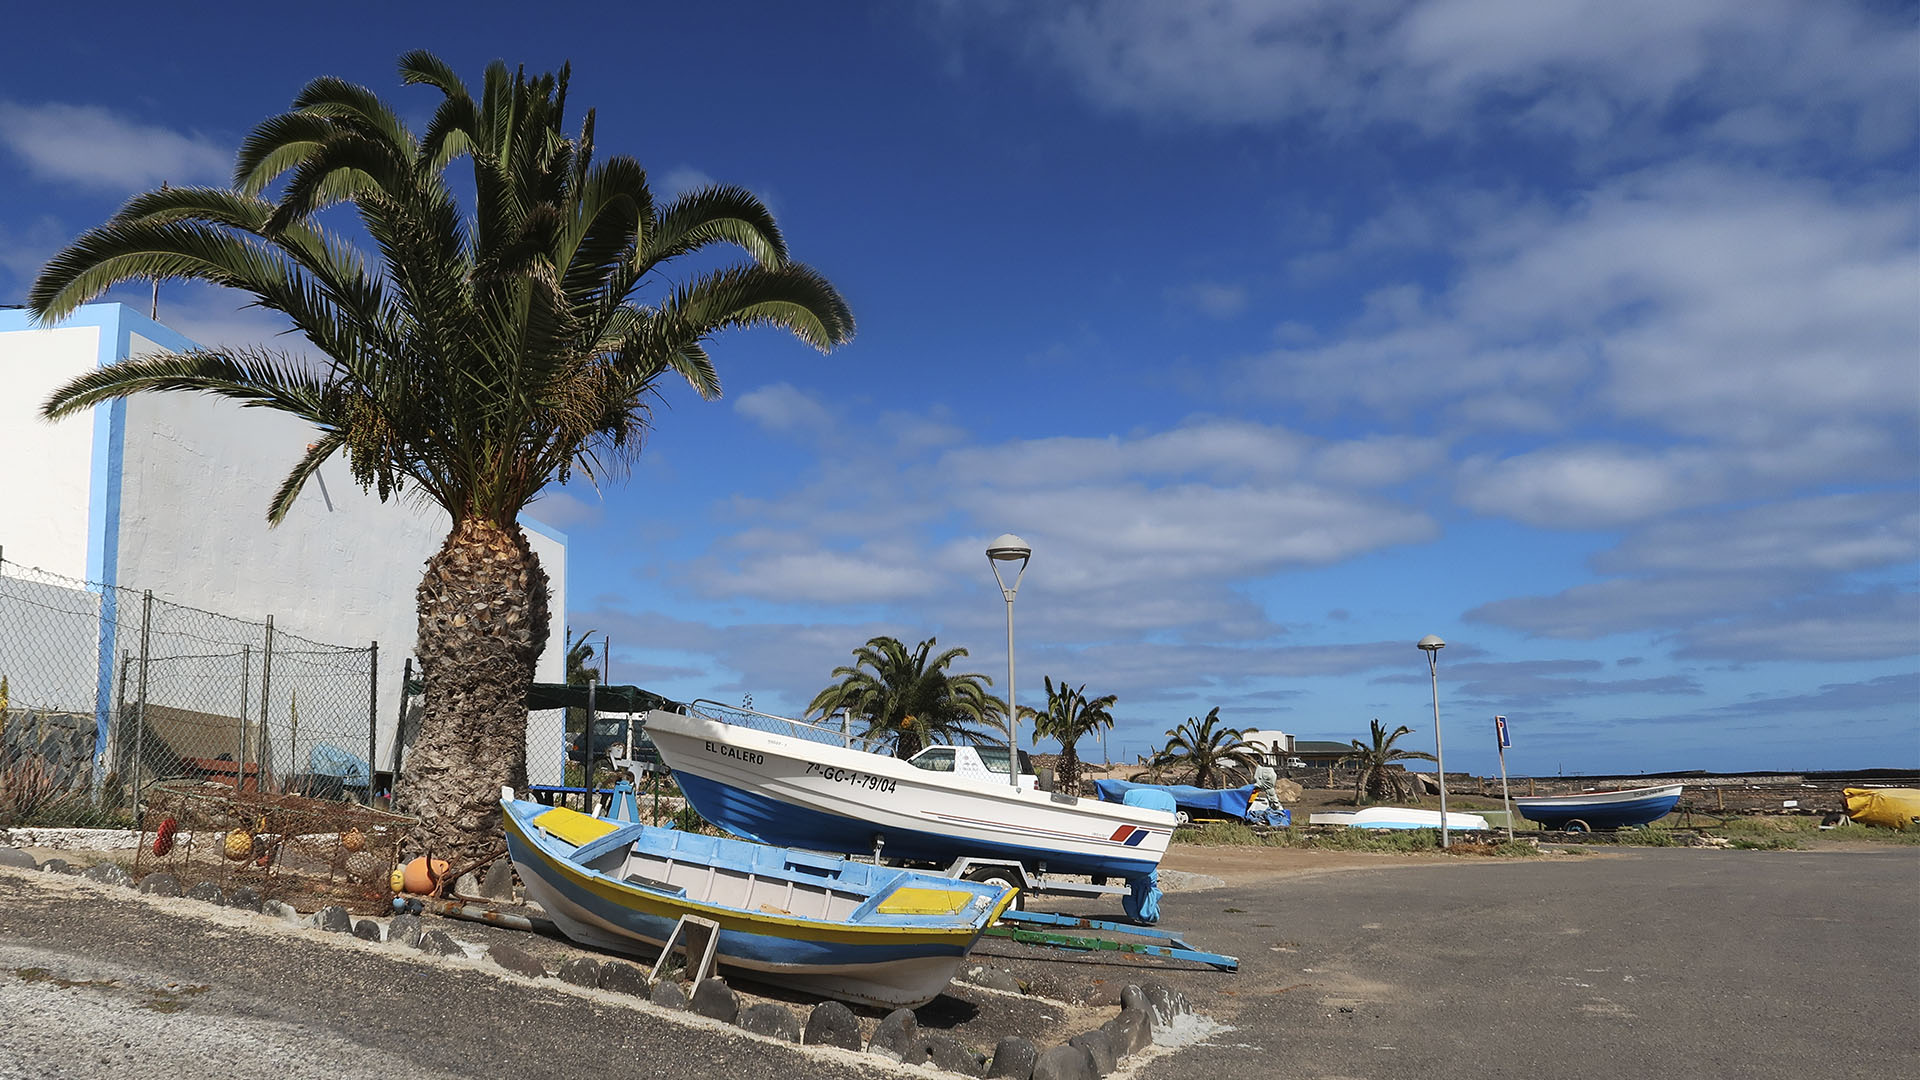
[1894,808]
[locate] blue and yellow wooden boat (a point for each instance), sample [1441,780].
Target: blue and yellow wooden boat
[871,934]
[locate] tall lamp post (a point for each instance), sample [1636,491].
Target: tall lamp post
[1009,548]
[1431,645]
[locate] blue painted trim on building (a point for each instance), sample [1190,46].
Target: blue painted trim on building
[543,529]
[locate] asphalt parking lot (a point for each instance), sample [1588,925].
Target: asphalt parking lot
[1632,963]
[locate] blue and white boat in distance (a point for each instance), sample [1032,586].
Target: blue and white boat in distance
[802,786]
[871,934]
[1587,810]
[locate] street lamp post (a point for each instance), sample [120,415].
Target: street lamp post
[1009,548]
[1431,645]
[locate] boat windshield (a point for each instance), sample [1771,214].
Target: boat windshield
[995,759]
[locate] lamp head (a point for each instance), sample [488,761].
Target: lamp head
[1432,643]
[1007,547]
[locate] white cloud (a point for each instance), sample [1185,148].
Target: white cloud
[684,178]
[1623,604]
[1823,534]
[1879,625]
[1584,487]
[1142,533]
[1706,301]
[565,511]
[782,407]
[96,147]
[830,577]
[1830,72]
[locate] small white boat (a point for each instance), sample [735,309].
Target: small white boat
[803,787]
[1397,817]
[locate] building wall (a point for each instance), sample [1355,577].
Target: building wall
[189,479]
[46,470]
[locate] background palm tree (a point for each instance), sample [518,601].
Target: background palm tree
[579,665]
[478,359]
[1378,782]
[909,699]
[1205,747]
[1069,715]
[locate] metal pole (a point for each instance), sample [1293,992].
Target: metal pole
[120,719]
[373,712]
[1006,548]
[400,720]
[266,697]
[586,740]
[140,733]
[1013,710]
[1439,755]
[246,673]
[1506,798]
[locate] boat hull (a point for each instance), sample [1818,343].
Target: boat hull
[1398,817]
[795,792]
[888,966]
[1601,809]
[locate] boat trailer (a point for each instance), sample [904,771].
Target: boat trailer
[1017,926]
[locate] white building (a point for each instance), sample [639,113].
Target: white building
[169,493]
[1272,744]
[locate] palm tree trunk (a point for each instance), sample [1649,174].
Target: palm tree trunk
[1069,778]
[483,625]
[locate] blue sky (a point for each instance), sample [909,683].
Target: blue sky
[1584,335]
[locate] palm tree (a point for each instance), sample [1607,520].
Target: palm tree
[1201,746]
[1375,779]
[579,667]
[909,699]
[1070,714]
[475,359]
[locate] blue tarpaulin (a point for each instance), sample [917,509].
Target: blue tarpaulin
[1198,801]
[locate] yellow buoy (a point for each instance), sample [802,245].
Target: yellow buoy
[239,845]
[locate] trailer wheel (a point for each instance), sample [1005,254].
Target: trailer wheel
[1576,825]
[994,875]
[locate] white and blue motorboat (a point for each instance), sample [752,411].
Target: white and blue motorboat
[800,785]
[1588,810]
[871,934]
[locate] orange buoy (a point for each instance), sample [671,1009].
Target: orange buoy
[419,876]
[354,840]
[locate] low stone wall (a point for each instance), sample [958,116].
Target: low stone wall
[61,743]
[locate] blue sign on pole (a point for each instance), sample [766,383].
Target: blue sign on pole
[1500,729]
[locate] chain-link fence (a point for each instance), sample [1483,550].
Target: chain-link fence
[105,691]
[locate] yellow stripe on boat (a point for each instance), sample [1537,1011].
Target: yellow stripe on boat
[911,900]
[573,826]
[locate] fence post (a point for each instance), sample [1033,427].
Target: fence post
[246,676]
[373,712]
[266,703]
[140,732]
[400,720]
[119,766]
